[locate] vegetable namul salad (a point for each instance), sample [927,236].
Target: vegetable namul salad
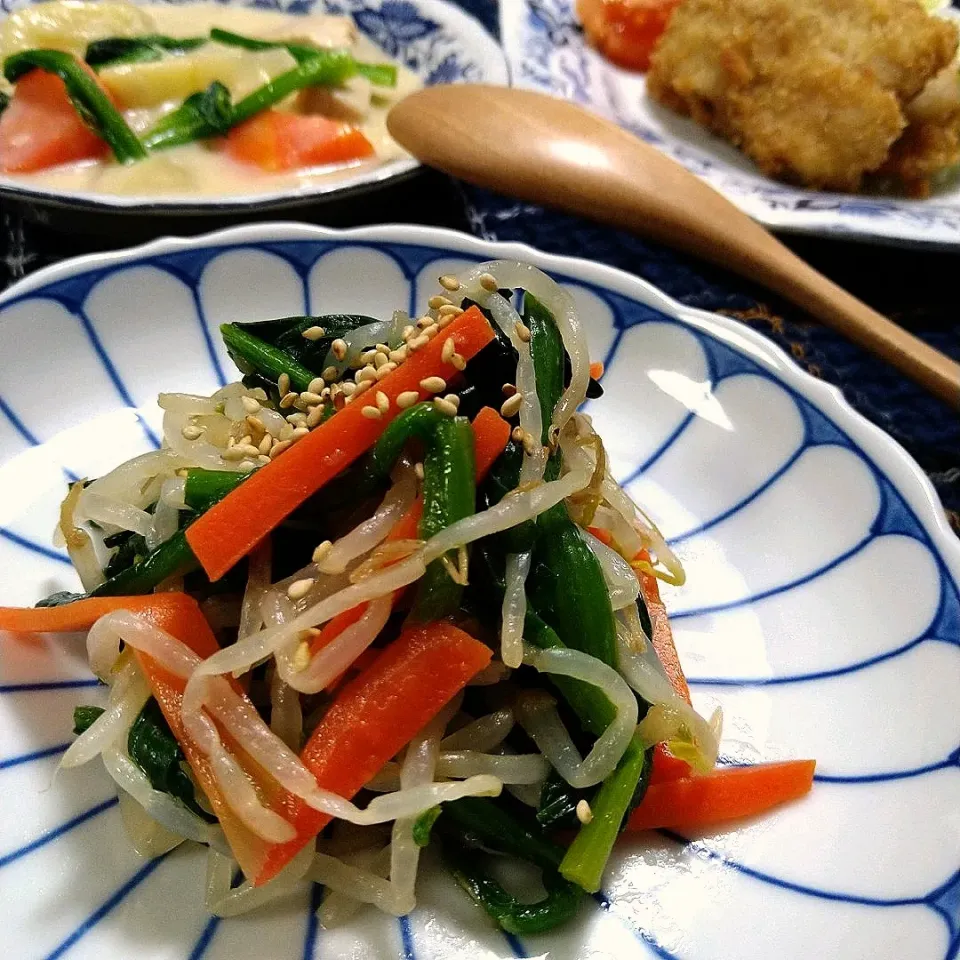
[189,99]
[384,594]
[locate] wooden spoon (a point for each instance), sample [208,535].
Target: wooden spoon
[555,153]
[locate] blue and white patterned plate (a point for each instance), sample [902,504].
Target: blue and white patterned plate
[433,38]
[546,51]
[822,612]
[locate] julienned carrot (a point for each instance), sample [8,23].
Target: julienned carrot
[727,793]
[70,617]
[491,434]
[374,715]
[180,616]
[230,529]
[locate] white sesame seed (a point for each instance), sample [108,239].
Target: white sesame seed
[315,415]
[247,449]
[369,372]
[529,445]
[407,399]
[299,433]
[488,281]
[316,385]
[310,398]
[445,406]
[383,401]
[584,813]
[286,431]
[247,466]
[448,350]
[417,342]
[508,389]
[246,438]
[279,447]
[288,400]
[382,348]
[433,384]
[408,331]
[379,359]
[297,419]
[348,388]
[368,356]
[191,432]
[330,373]
[449,283]
[250,405]
[263,459]
[424,321]
[283,384]
[300,588]
[360,387]
[398,356]
[258,393]
[431,331]
[232,453]
[339,348]
[450,310]
[255,424]
[445,320]
[321,550]
[265,444]
[511,406]
[435,303]
[454,399]
[313,333]
[386,370]
[371,413]
[522,331]
[516,434]
[458,362]
[418,470]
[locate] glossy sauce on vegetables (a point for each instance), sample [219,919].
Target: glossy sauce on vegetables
[148,91]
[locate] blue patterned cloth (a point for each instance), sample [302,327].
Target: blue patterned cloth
[914,288]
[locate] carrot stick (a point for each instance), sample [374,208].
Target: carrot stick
[230,529]
[491,434]
[70,617]
[180,616]
[376,714]
[727,793]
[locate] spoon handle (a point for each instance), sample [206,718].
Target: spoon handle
[560,155]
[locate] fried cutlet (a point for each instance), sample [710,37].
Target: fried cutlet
[812,90]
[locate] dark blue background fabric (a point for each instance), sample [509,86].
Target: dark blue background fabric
[919,289]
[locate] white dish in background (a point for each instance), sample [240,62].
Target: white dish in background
[547,51]
[821,611]
[434,38]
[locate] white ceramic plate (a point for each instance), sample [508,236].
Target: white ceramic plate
[434,38]
[822,611]
[546,51]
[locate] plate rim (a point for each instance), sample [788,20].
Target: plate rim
[393,171]
[889,456]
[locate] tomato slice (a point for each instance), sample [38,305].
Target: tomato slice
[276,140]
[626,31]
[41,128]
